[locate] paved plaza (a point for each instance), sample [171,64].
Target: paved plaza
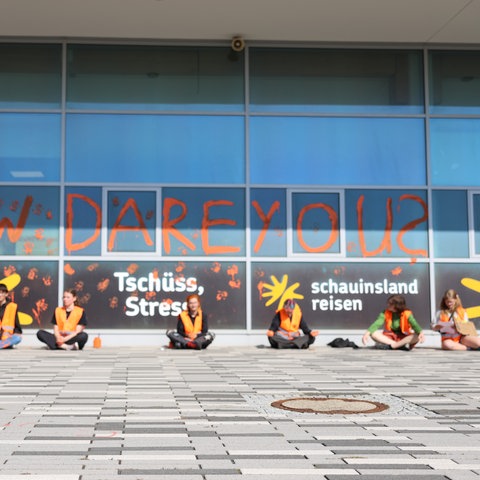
[148,413]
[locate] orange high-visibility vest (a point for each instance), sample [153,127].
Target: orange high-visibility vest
[445,316]
[68,325]
[190,327]
[404,323]
[288,324]
[7,323]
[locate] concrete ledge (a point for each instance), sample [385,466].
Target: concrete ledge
[121,338]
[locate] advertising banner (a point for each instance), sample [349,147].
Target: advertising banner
[33,286]
[465,280]
[338,295]
[150,295]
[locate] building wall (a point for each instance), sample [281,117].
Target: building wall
[139,174]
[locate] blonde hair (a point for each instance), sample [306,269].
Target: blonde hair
[450,293]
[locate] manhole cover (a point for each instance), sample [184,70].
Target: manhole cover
[329,405]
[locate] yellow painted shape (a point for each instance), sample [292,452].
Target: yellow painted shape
[24,319]
[471,283]
[473,312]
[11,281]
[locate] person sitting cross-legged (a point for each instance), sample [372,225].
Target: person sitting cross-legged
[395,327]
[192,327]
[69,323]
[451,309]
[284,331]
[10,330]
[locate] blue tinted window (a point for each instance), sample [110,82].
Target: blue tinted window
[155,149]
[30,147]
[83,220]
[316,223]
[386,223]
[30,76]
[310,80]
[450,223]
[476,222]
[29,220]
[268,222]
[455,151]
[455,82]
[154,78]
[203,221]
[337,151]
[131,221]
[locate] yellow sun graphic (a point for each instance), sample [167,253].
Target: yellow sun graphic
[279,290]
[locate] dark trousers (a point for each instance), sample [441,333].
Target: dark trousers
[302,341]
[200,343]
[51,342]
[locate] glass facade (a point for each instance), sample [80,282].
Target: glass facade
[336,81]
[141,174]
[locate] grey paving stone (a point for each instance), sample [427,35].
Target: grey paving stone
[151,407]
[381,476]
[182,472]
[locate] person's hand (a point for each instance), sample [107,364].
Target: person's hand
[421,337]
[59,340]
[270,333]
[314,333]
[365,337]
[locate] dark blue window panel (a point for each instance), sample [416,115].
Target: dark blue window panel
[336,81]
[337,151]
[30,76]
[455,151]
[155,149]
[152,78]
[454,82]
[30,147]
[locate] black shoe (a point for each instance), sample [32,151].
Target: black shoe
[382,346]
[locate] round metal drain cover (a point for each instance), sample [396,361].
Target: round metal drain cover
[342,406]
